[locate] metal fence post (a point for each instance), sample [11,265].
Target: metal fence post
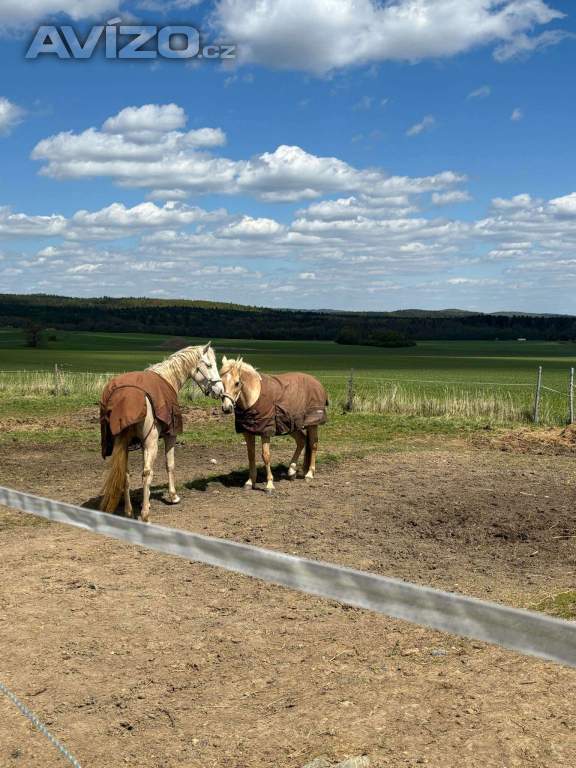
[571,398]
[536,415]
[350,397]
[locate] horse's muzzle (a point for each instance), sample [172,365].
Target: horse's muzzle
[217,389]
[227,403]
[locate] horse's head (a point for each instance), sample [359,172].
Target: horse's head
[206,374]
[231,373]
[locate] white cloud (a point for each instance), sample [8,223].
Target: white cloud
[425,124]
[523,45]
[168,194]
[166,6]
[22,225]
[565,206]
[448,198]
[517,115]
[172,160]
[480,93]
[348,252]
[518,201]
[10,115]
[149,120]
[252,228]
[15,12]
[323,35]
[117,220]
[355,207]
[114,221]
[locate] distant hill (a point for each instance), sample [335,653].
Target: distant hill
[432,313]
[183,317]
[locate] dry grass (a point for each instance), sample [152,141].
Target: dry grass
[500,407]
[427,399]
[41,384]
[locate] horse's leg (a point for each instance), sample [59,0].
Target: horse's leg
[266,460]
[251,448]
[127,502]
[169,443]
[300,438]
[149,435]
[311,451]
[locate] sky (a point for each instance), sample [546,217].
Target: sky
[353,154]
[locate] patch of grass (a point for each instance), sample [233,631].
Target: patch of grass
[435,388]
[562,605]
[79,437]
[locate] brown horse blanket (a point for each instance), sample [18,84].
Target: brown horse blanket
[287,403]
[123,403]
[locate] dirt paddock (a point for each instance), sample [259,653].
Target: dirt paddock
[134,658]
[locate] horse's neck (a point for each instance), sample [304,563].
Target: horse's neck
[175,372]
[251,388]
[175,381]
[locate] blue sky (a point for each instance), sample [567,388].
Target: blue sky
[354,155]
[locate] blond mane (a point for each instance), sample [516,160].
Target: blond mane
[178,367]
[241,365]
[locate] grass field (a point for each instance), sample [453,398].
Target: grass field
[445,385]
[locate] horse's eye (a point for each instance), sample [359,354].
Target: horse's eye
[238,383]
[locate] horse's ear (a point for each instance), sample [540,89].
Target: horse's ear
[206,348]
[239,362]
[224,360]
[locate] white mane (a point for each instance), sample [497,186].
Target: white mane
[178,367]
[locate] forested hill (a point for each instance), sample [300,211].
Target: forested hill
[206,318]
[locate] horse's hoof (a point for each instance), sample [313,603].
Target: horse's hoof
[247,487]
[309,478]
[270,491]
[174,499]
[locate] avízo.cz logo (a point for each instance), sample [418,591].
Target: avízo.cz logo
[126,41]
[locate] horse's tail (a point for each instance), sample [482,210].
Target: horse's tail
[116,479]
[307,452]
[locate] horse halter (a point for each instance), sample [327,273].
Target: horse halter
[207,383]
[233,399]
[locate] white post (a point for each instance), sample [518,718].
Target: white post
[537,396]
[571,398]
[350,399]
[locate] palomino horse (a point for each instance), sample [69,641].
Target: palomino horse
[287,404]
[140,408]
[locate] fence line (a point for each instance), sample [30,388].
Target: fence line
[431,381]
[341,376]
[37,723]
[529,633]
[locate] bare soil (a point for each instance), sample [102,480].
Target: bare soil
[139,659]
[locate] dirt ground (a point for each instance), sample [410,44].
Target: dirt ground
[139,659]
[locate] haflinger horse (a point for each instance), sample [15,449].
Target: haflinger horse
[287,404]
[139,408]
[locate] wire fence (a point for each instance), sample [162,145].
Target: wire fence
[497,402]
[39,725]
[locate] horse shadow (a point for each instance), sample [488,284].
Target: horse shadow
[236,478]
[157,493]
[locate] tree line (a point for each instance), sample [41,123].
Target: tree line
[189,318]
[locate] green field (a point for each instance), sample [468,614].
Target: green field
[499,361]
[435,385]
